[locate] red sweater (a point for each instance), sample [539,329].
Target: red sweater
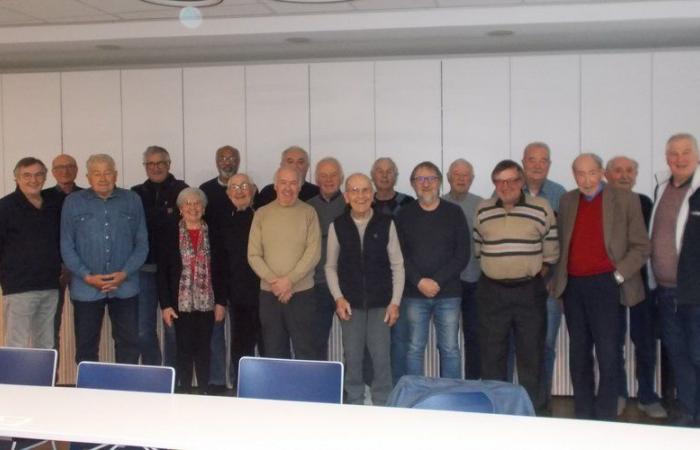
[587,254]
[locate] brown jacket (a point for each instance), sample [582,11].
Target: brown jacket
[625,236]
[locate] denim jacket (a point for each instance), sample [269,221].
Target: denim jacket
[100,236]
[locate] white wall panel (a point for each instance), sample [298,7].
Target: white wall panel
[408,115]
[676,99]
[92,117]
[151,115]
[31,112]
[616,109]
[342,114]
[277,115]
[476,115]
[214,116]
[545,106]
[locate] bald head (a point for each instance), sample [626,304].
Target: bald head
[64,170]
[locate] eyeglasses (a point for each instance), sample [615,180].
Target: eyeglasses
[227,158]
[243,187]
[507,182]
[430,179]
[158,164]
[33,176]
[66,167]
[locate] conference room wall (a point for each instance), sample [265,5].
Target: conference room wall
[480,108]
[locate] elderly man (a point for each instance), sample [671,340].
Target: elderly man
[234,280]
[460,175]
[30,261]
[515,239]
[297,158]
[603,247]
[219,208]
[435,247]
[329,204]
[675,262]
[283,250]
[104,243]
[64,169]
[158,195]
[621,172]
[536,164]
[366,277]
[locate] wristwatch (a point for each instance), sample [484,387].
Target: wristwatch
[618,277]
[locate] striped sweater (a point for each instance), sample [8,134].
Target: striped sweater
[514,244]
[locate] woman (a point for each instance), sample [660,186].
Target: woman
[186,289]
[365,274]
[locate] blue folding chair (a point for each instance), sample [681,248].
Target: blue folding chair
[123,377]
[290,379]
[457,401]
[28,367]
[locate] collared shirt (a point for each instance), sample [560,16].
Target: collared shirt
[101,236]
[327,211]
[468,204]
[550,191]
[514,244]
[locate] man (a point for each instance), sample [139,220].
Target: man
[366,276]
[64,169]
[104,243]
[621,172]
[675,261]
[297,158]
[283,250]
[329,204]
[219,208]
[234,280]
[515,238]
[435,246]
[536,164]
[460,175]
[30,261]
[603,247]
[384,175]
[158,196]
[387,201]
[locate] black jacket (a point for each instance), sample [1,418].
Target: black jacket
[159,205]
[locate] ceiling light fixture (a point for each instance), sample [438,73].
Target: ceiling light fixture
[499,33]
[183,3]
[311,2]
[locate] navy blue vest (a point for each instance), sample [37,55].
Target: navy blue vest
[364,272]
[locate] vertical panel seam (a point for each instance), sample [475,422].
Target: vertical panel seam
[245,115]
[121,124]
[652,116]
[60,110]
[308,105]
[182,120]
[580,103]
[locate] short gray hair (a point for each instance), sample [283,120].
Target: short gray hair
[293,148]
[28,161]
[293,169]
[538,144]
[100,158]
[611,162]
[155,150]
[332,160]
[457,162]
[681,137]
[359,175]
[385,159]
[598,160]
[191,192]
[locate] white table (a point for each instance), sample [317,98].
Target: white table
[199,422]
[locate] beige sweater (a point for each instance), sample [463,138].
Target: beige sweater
[285,241]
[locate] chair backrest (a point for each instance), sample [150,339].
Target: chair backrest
[28,366]
[126,377]
[457,401]
[290,379]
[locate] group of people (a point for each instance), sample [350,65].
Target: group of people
[285,259]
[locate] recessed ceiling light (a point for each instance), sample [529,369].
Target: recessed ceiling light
[500,33]
[183,3]
[313,1]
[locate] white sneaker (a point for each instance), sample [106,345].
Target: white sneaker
[654,410]
[621,403]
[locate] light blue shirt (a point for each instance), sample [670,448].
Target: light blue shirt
[550,191]
[468,204]
[101,236]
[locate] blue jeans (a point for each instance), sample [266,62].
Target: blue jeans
[446,313]
[149,347]
[680,335]
[217,363]
[399,345]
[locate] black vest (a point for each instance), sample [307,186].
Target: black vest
[364,272]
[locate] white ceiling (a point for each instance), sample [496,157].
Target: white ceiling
[50,34]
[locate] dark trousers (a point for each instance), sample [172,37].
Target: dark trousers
[521,308]
[642,333]
[245,334]
[470,329]
[295,320]
[325,308]
[193,336]
[88,317]
[591,306]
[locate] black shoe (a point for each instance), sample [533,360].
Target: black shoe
[216,389]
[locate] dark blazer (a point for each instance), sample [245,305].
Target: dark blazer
[624,234]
